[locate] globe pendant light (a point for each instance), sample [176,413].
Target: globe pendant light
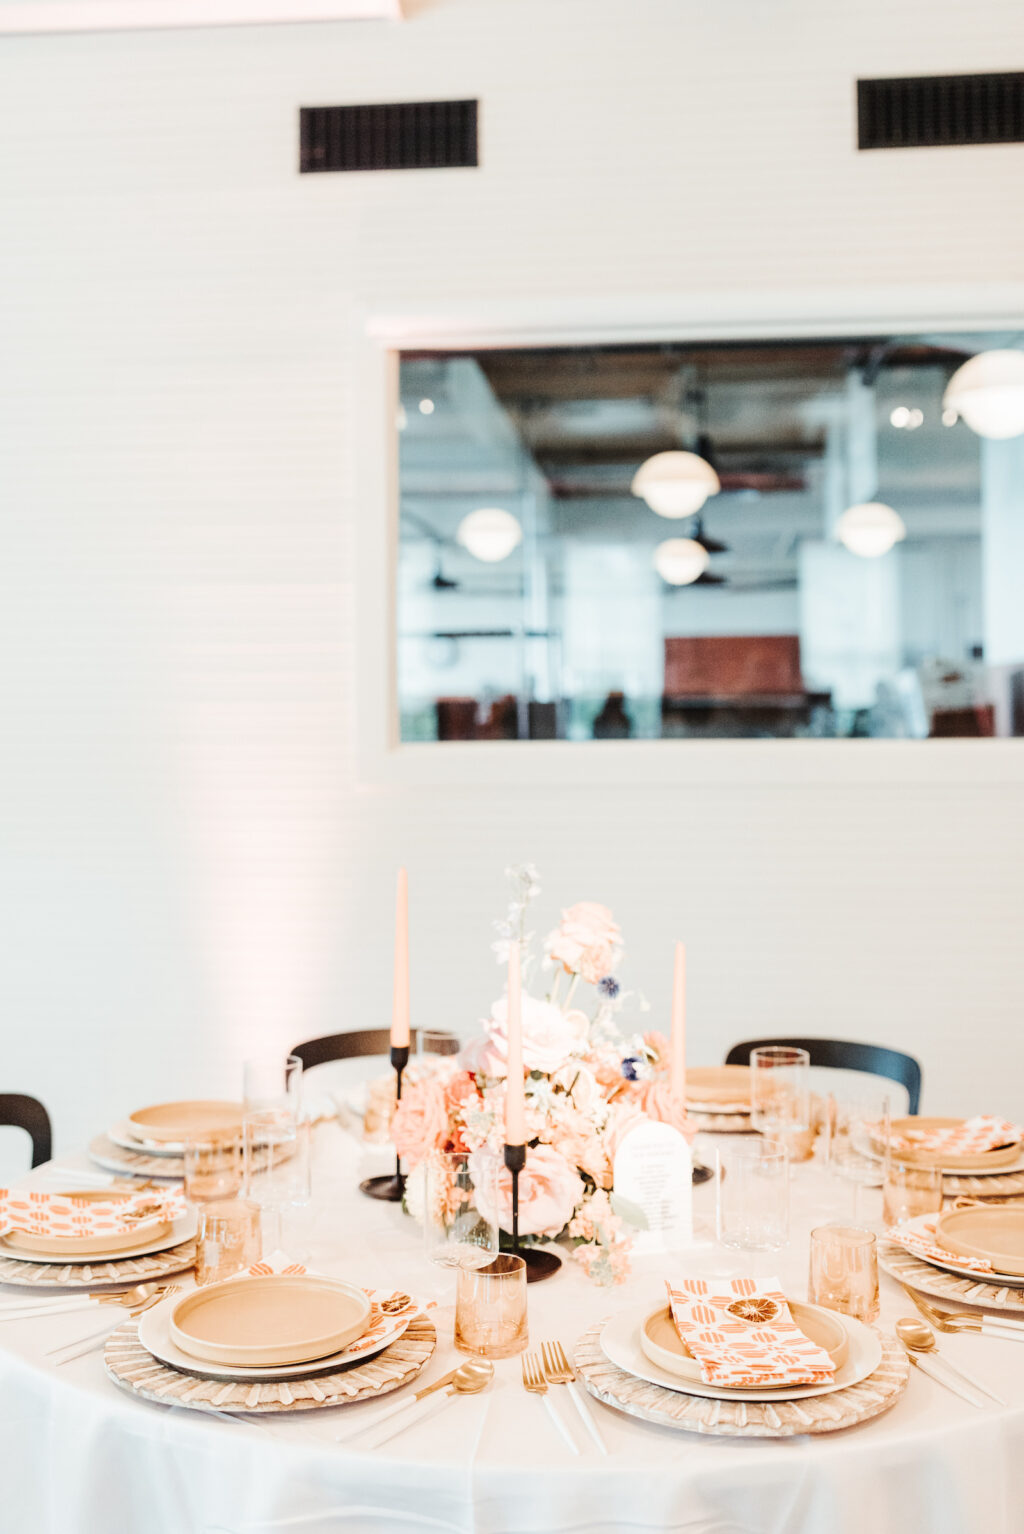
[988,391]
[870,529]
[681,561]
[675,484]
[489,534]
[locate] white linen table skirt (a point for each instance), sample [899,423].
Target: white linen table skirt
[82,1457]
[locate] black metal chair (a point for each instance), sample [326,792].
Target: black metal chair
[346,1046]
[844,1055]
[28,1113]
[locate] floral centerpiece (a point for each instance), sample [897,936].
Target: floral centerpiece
[587,1084]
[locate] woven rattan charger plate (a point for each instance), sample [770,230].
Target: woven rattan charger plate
[742,1419]
[1000,1185]
[133,1368]
[92,1275]
[126,1163]
[899,1264]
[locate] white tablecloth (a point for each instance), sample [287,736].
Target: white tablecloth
[82,1457]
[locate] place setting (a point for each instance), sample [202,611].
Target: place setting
[960,1248]
[274,1339]
[78,1240]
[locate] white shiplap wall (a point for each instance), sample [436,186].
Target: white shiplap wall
[188,866]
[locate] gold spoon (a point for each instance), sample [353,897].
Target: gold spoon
[130,1297]
[468,1380]
[916,1337]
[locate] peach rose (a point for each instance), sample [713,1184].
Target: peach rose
[587,941]
[549,1034]
[420,1124]
[656,1100]
[625,1115]
[549,1191]
[581,1145]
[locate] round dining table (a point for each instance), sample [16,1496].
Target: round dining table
[83,1456]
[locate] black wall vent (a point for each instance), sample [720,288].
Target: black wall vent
[929,111]
[414,135]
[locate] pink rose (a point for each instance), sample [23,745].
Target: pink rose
[549,1034]
[420,1124]
[480,1058]
[587,941]
[549,1191]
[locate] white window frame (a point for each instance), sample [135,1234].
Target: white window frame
[380,336]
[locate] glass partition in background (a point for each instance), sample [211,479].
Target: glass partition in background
[829,550]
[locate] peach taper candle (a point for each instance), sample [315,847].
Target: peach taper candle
[515,1100]
[678,1039]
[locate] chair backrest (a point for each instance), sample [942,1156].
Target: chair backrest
[346,1046]
[844,1055]
[28,1113]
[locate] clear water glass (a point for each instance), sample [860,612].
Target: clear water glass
[858,1132]
[753,1195]
[213,1169]
[272,1080]
[460,1194]
[780,1091]
[276,1164]
[909,1190]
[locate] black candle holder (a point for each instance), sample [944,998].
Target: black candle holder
[391,1187]
[539,1264]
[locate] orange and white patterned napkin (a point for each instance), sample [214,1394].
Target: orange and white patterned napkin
[919,1238]
[63,1214]
[742,1334]
[971,1138]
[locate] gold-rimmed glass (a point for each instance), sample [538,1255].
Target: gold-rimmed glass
[844,1271]
[490,1308]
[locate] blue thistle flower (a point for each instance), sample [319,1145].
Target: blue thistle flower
[609,987]
[629,1066]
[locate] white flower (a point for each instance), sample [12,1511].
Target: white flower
[550,1035]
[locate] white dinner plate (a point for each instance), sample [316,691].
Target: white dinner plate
[155,1336]
[122,1135]
[730,1108]
[620,1342]
[180,1231]
[1004,1280]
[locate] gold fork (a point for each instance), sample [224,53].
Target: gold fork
[73,1350]
[560,1371]
[534,1381]
[966,1321]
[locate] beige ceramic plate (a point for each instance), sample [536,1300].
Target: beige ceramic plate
[993,1233]
[155,1336]
[662,1344]
[87,1246]
[278,1319]
[187,1121]
[718,1084]
[182,1230]
[1003,1155]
